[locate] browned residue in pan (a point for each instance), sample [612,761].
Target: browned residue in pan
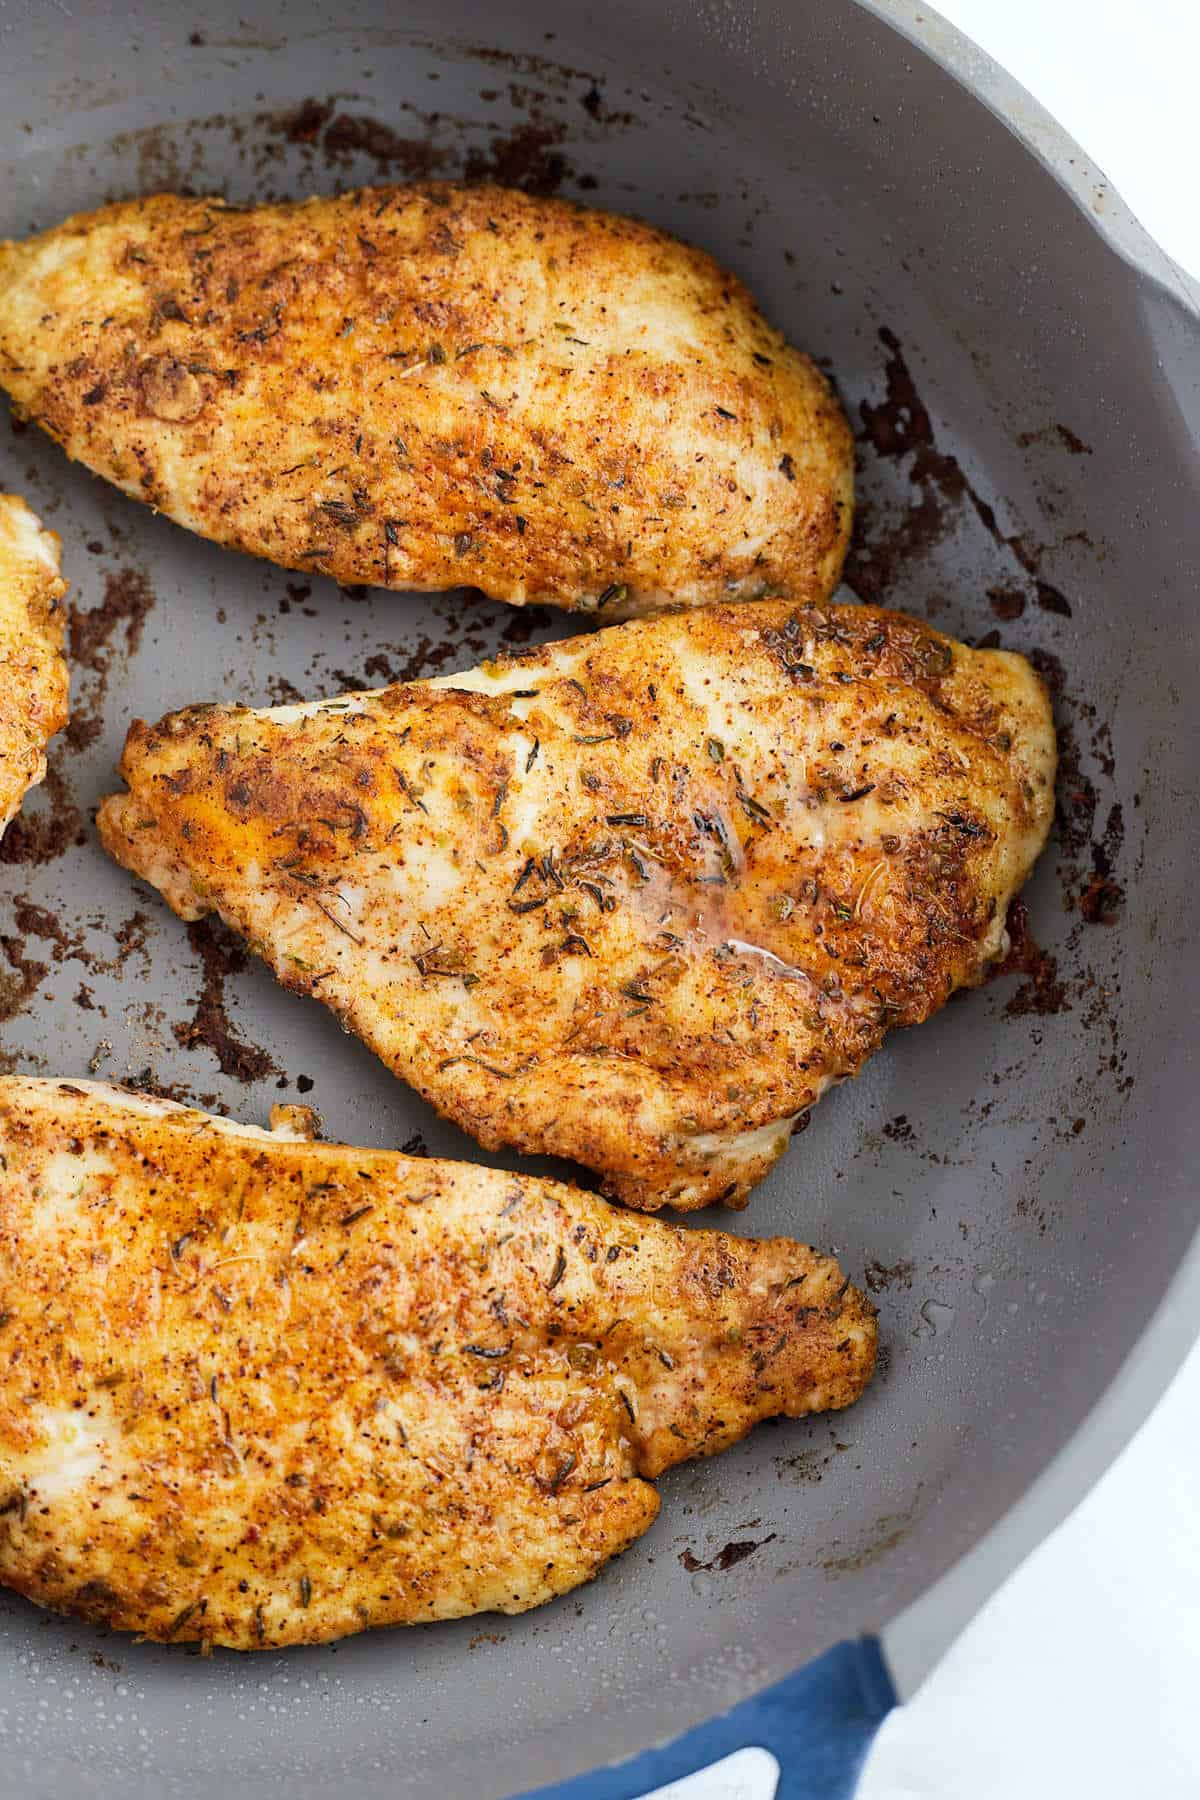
[49,824]
[889,1530]
[899,426]
[1042,990]
[1061,434]
[92,644]
[469,626]
[342,134]
[527,155]
[889,1537]
[411,144]
[727,1557]
[221,955]
[1090,835]
[1006,603]
[396,663]
[128,599]
[879,1278]
[1101,900]
[20,976]
[131,938]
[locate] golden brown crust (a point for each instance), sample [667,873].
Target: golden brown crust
[637,898]
[33,671]
[258,1392]
[436,386]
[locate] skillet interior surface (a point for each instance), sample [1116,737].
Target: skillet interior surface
[1011,1178]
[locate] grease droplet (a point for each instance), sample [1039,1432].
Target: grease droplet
[938,1316]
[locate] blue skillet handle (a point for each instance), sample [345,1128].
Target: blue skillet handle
[804,1739]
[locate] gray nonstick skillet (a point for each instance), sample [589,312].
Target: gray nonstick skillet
[1015,1180]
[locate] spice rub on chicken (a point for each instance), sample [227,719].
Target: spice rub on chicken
[257,1391]
[436,386]
[33,670]
[636,899]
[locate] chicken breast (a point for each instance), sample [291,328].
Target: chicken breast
[256,1391]
[636,898]
[33,670]
[435,387]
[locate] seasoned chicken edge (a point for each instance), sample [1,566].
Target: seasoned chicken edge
[637,899]
[33,669]
[432,386]
[256,1390]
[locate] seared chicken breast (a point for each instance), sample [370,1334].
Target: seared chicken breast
[636,898]
[33,671]
[257,1391]
[436,386]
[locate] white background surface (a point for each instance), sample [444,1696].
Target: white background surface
[1081,1678]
